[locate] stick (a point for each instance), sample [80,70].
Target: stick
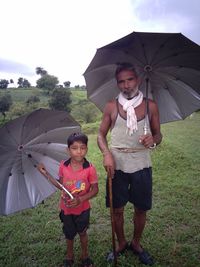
[112,218]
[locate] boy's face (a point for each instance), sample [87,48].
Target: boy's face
[77,151]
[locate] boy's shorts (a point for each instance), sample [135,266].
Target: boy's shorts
[73,224]
[133,187]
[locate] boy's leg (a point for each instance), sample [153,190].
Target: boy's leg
[84,245]
[70,249]
[82,224]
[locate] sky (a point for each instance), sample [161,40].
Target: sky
[62,36]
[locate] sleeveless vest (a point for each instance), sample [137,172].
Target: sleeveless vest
[137,156]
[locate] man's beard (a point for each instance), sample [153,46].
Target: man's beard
[130,95]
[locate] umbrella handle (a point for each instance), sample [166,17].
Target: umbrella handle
[146,107]
[112,218]
[56,183]
[66,191]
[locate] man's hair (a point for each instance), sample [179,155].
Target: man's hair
[77,137]
[125,66]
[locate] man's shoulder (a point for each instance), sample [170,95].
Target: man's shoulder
[110,105]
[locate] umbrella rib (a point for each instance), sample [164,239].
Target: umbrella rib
[161,46]
[12,136]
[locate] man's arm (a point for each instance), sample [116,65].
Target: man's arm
[102,141]
[156,137]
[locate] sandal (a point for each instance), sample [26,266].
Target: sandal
[110,255]
[68,263]
[87,263]
[143,256]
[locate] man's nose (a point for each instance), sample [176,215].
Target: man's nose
[126,84]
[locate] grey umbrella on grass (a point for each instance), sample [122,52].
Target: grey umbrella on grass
[39,136]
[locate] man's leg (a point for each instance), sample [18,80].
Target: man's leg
[119,228]
[139,224]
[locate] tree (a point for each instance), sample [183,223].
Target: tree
[47,83]
[67,84]
[60,100]
[4,84]
[40,71]
[32,99]
[5,104]
[23,83]
[85,111]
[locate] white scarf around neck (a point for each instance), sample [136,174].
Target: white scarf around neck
[129,106]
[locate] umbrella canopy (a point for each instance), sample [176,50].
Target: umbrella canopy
[40,136]
[169,62]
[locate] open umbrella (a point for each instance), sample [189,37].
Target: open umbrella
[40,136]
[167,63]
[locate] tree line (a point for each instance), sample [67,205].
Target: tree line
[46,81]
[59,98]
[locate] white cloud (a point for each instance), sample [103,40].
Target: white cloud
[62,36]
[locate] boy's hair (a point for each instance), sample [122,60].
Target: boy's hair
[124,66]
[74,137]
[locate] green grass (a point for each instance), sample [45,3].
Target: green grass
[34,237]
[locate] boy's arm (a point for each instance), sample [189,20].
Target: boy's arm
[94,189]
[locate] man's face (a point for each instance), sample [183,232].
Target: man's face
[127,83]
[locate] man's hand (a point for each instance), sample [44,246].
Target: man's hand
[146,140]
[109,164]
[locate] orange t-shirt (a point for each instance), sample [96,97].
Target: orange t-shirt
[77,183]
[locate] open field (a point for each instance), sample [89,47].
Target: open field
[33,238]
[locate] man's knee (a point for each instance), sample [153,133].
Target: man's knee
[139,211]
[118,212]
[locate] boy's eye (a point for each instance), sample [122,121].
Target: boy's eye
[76,147]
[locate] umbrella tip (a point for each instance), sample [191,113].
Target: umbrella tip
[29,156]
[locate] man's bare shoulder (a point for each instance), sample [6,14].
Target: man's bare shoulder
[110,105]
[153,107]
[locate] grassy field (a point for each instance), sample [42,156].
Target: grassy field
[33,238]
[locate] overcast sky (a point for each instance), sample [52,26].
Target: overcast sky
[62,35]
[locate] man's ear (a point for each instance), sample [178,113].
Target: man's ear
[138,81]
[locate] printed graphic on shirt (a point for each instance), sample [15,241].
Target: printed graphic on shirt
[78,187]
[75,186]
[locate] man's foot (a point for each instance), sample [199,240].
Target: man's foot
[143,256]
[68,263]
[87,263]
[110,255]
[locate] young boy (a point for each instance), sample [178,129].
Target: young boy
[79,177]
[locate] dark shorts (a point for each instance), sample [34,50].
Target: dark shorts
[133,187]
[73,224]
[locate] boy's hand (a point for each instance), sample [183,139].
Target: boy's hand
[71,203]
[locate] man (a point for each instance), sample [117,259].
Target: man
[128,160]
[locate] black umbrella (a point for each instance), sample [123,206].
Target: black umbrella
[168,62]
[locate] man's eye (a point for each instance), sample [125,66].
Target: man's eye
[120,82]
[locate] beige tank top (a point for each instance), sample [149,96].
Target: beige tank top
[130,156]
